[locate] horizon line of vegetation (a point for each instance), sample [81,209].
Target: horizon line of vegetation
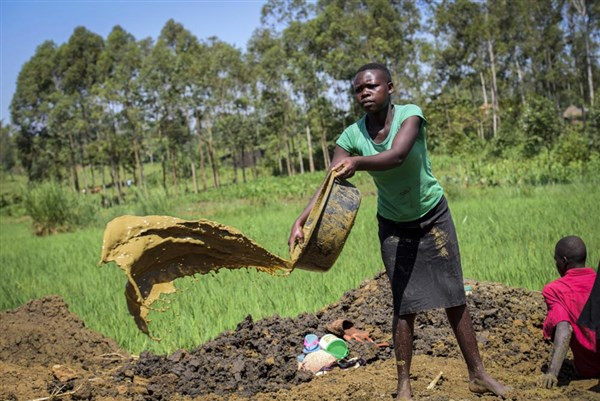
[517,81]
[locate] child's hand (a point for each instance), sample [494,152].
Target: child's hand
[296,235]
[548,380]
[346,167]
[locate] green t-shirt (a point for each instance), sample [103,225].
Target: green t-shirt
[409,191]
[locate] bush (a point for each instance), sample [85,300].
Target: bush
[54,209]
[540,125]
[545,168]
[593,127]
[572,146]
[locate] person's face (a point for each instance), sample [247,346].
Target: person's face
[372,90]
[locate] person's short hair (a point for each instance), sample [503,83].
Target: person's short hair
[376,66]
[572,248]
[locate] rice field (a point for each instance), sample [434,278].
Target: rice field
[506,234]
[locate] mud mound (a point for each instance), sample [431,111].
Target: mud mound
[43,333]
[261,356]
[53,335]
[257,360]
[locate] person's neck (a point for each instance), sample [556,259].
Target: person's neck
[382,117]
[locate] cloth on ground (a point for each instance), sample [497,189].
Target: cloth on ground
[317,361]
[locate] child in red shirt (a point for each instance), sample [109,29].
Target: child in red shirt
[565,299]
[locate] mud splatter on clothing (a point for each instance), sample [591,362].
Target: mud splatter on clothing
[441,238]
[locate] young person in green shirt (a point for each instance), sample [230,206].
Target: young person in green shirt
[418,240]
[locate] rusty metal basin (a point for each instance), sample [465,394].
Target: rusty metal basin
[328,226]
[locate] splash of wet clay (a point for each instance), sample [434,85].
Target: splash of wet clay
[153,251]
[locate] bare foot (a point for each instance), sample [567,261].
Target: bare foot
[487,384]
[403,393]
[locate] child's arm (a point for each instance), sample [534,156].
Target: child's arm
[395,156]
[296,235]
[562,337]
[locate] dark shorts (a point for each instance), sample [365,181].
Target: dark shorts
[422,261]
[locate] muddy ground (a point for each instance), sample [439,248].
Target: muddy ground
[45,350]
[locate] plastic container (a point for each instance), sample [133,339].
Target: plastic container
[311,343]
[334,346]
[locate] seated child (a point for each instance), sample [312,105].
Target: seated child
[565,299]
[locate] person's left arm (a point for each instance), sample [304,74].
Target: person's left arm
[562,338]
[393,157]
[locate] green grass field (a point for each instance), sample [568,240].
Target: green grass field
[506,234]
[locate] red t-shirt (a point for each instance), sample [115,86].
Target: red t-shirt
[565,299]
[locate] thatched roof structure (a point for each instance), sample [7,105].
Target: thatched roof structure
[573,112]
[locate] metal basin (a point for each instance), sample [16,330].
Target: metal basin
[328,226]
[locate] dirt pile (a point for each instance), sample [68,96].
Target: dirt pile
[260,356]
[43,333]
[257,360]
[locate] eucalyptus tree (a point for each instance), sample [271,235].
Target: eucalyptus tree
[194,102]
[465,56]
[30,107]
[308,81]
[224,84]
[76,63]
[242,135]
[191,88]
[586,16]
[276,104]
[164,74]
[258,135]
[7,148]
[120,94]
[519,49]
[545,48]
[482,44]
[302,68]
[63,126]
[197,90]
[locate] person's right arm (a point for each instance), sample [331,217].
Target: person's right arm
[562,337]
[296,234]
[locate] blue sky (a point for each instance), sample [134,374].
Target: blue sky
[26,24]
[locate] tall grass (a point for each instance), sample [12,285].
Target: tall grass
[154,201]
[505,234]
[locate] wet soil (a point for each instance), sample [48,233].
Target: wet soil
[257,360]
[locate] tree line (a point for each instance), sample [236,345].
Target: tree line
[492,75]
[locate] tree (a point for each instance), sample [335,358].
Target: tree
[7,148]
[76,64]
[588,16]
[120,93]
[165,72]
[30,107]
